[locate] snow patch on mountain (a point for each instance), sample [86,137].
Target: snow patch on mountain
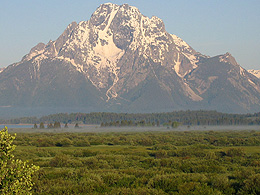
[83,33]
[39,58]
[2,69]
[182,45]
[255,73]
[186,50]
[193,59]
[106,47]
[34,53]
[223,58]
[191,94]
[72,62]
[254,85]
[177,66]
[228,58]
[241,71]
[250,81]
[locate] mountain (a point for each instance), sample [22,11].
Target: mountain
[255,72]
[123,61]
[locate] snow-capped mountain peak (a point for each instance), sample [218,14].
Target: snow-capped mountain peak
[95,47]
[122,59]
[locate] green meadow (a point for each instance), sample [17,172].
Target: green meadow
[169,162]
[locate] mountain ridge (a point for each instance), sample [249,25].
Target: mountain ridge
[254,72]
[120,60]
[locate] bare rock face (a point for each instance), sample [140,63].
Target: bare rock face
[121,60]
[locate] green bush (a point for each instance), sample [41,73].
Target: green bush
[15,175]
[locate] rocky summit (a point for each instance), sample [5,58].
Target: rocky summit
[122,61]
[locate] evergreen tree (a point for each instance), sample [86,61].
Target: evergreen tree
[35,126]
[41,125]
[50,126]
[56,125]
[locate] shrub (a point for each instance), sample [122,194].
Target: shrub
[15,175]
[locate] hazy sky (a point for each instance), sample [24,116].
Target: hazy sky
[211,27]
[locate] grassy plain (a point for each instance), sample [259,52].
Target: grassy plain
[98,160]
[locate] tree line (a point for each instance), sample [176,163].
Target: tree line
[56,125]
[188,117]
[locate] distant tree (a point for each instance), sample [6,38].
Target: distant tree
[158,123]
[56,125]
[66,125]
[50,126]
[76,125]
[123,123]
[41,125]
[175,124]
[35,126]
[130,123]
[15,175]
[142,123]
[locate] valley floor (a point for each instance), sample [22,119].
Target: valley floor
[154,161]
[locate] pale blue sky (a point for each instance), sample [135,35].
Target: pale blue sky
[211,27]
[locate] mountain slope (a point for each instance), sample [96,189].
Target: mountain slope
[255,73]
[121,60]
[224,84]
